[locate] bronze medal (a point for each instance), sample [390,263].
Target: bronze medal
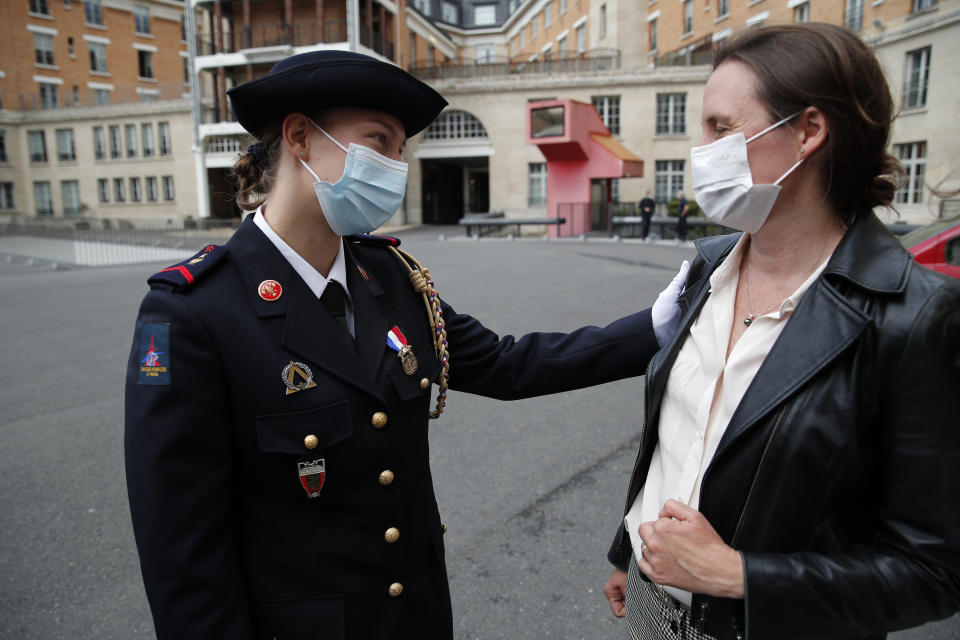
[408,360]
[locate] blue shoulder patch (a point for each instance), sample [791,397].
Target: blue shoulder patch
[373,241]
[186,273]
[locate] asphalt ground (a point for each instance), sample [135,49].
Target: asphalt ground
[531,491]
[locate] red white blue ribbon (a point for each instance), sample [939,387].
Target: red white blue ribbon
[396,339]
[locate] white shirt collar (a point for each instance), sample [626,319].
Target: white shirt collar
[311,276]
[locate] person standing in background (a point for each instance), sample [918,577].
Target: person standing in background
[647,206]
[683,207]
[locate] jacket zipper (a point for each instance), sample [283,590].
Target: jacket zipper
[708,600]
[636,465]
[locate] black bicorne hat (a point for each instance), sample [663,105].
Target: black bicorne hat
[310,82]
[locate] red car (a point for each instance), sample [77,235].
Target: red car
[936,246]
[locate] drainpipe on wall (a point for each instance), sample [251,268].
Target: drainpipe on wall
[353,24]
[200,172]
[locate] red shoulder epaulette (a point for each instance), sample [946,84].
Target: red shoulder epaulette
[186,273]
[374,241]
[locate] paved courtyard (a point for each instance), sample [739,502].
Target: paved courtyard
[531,491]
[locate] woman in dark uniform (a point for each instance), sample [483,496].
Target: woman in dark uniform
[279,386]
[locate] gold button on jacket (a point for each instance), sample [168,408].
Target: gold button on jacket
[424,383]
[379,420]
[310,442]
[396,589]
[391,535]
[386,477]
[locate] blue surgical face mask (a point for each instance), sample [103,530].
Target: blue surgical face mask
[368,193]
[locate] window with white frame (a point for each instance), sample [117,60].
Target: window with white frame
[723,8]
[93,12]
[423,6]
[166,142]
[687,16]
[98,56]
[66,147]
[801,12]
[918,77]
[99,143]
[136,190]
[512,6]
[116,146]
[70,189]
[582,38]
[70,48]
[546,15]
[537,184]
[652,26]
[43,49]
[485,14]
[671,114]
[563,47]
[153,191]
[484,52]
[3,146]
[37,144]
[913,159]
[609,109]
[923,5]
[141,19]
[454,125]
[6,196]
[49,96]
[41,7]
[149,147]
[119,190]
[668,179]
[131,135]
[145,63]
[101,97]
[853,15]
[168,193]
[103,189]
[563,7]
[43,198]
[450,13]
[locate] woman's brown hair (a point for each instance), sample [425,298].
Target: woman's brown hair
[256,169]
[830,68]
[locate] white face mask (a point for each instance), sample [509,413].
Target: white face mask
[723,185]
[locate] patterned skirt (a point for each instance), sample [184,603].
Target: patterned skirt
[653,614]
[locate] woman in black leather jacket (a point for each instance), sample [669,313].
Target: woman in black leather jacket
[799,470]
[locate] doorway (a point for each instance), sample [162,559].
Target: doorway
[451,187]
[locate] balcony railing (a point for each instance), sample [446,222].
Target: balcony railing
[589,62]
[377,42]
[688,59]
[273,35]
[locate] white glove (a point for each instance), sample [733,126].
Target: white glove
[665,313]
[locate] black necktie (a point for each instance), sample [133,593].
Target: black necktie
[333,298]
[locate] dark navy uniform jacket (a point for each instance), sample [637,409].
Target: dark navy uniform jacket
[230,544]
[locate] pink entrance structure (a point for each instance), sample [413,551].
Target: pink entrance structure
[579,150]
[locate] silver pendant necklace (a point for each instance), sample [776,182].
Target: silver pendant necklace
[746,290]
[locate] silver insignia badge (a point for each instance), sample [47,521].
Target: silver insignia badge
[312,475]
